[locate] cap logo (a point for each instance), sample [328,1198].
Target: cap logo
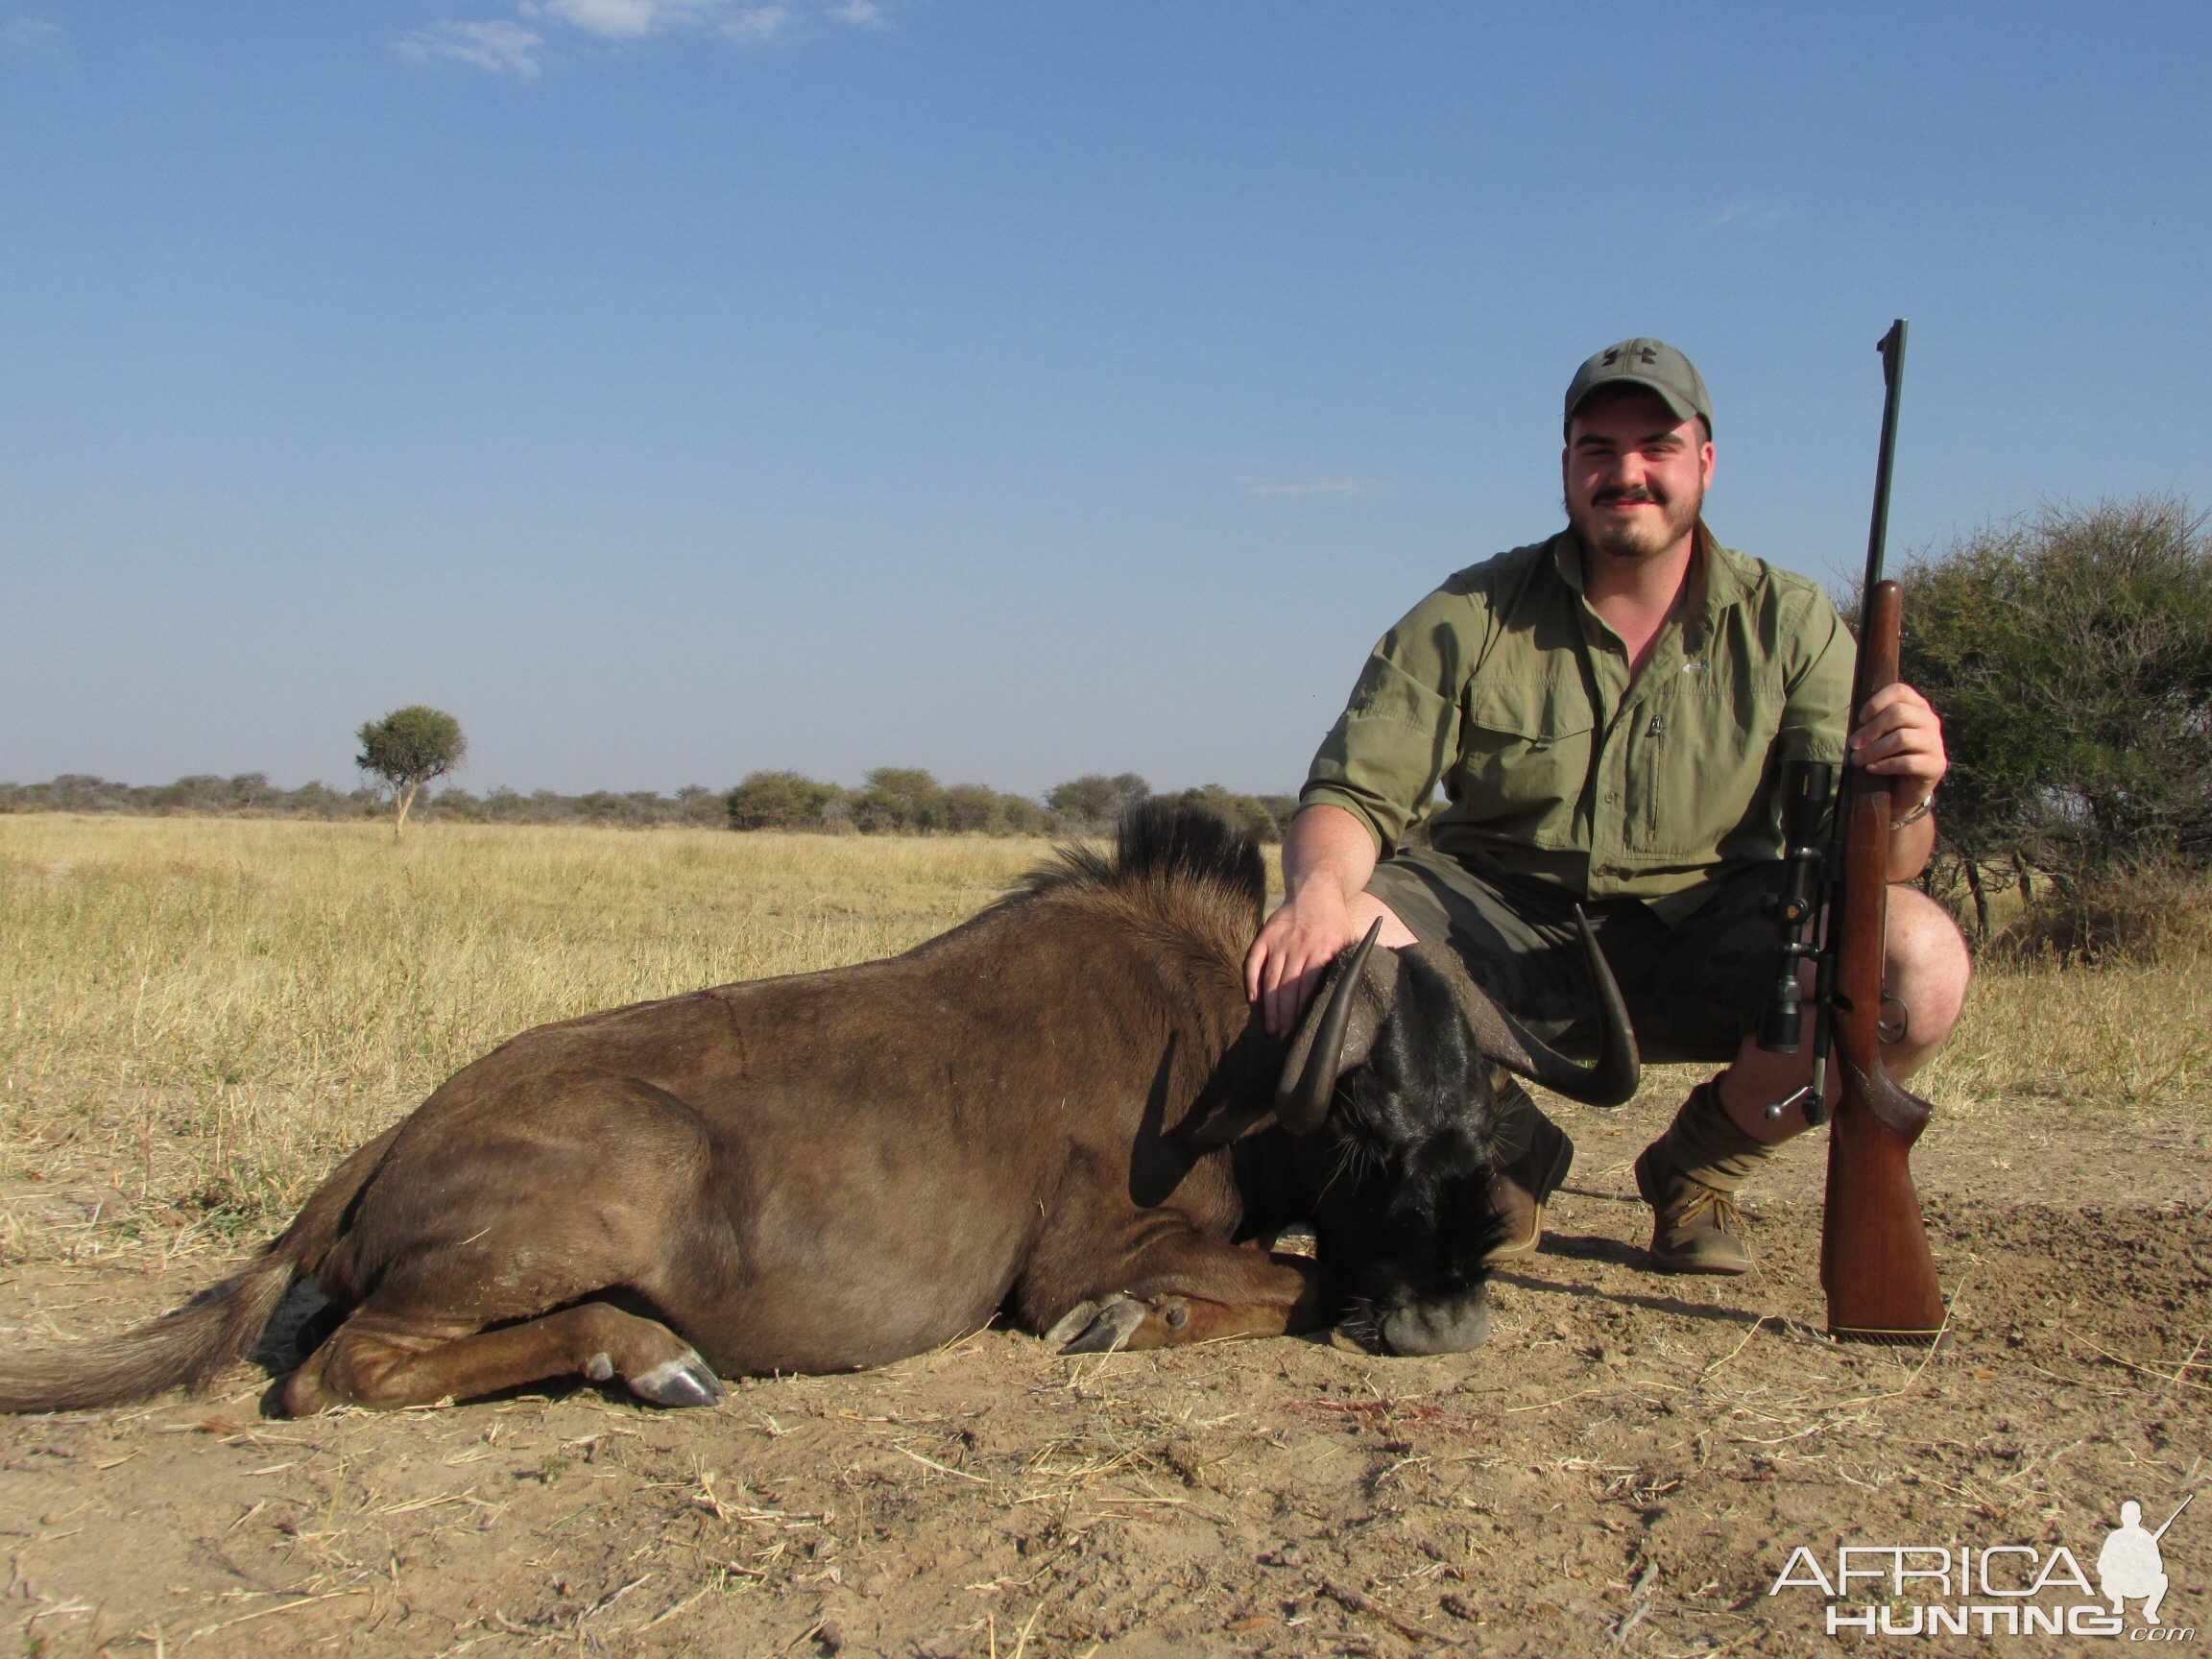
[1645,355]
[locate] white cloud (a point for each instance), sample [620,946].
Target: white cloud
[516,48]
[1329,485]
[757,25]
[625,19]
[29,31]
[496,48]
[1742,212]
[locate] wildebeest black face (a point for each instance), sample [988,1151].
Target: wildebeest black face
[1404,1217]
[1394,1082]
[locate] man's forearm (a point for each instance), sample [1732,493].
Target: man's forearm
[1327,844]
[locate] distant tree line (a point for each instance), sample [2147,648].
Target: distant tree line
[907,801]
[252,795]
[891,800]
[199,795]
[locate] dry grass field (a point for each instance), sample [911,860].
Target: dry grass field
[213,1010]
[199,1017]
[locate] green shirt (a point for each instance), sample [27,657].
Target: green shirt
[1561,768]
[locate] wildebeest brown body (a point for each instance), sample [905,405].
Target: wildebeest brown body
[800,1174]
[836,1169]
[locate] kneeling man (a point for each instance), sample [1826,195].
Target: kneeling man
[1608,711]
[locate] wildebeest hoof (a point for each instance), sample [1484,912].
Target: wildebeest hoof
[686,1381]
[1116,1321]
[1076,1319]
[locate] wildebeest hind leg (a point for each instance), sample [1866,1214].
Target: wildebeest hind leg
[385,1362]
[1187,1287]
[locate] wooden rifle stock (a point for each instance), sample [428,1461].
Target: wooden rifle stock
[1874,1259]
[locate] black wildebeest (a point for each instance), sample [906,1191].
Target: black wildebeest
[1062,1109]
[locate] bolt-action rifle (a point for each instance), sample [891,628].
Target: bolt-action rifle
[1874,1259]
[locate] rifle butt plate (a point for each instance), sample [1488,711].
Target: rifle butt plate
[1940,1339]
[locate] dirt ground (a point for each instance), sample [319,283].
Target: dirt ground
[1625,1468]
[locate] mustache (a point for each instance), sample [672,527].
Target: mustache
[1630,496]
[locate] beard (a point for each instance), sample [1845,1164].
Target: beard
[1644,536]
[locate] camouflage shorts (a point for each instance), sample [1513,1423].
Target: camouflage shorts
[1694,988]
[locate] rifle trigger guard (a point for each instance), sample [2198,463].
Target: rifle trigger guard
[1884,1029]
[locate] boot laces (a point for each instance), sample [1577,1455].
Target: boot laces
[1706,1200]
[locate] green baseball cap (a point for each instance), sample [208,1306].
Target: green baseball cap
[1651,363]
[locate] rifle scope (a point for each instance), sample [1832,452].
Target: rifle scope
[1808,787]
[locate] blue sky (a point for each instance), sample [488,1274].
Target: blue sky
[675,387]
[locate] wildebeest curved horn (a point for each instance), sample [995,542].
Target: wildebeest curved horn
[1609,1080]
[1329,1041]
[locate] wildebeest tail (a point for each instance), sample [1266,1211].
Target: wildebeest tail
[188,1347]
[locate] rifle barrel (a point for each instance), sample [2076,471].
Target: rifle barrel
[1892,348]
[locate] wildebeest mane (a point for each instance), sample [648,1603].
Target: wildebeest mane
[1160,842]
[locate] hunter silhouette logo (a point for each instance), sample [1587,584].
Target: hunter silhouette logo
[2130,1566]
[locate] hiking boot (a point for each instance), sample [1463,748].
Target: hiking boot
[1696,1228]
[1519,1186]
[1690,1176]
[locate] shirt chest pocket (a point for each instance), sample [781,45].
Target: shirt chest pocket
[1525,751]
[1695,764]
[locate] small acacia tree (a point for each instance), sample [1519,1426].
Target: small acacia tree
[408,748]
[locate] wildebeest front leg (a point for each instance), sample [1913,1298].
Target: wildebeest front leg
[386,1362]
[1191,1288]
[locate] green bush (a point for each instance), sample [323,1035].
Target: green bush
[2070,656]
[1263,818]
[779,800]
[1093,802]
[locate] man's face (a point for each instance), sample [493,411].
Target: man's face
[1636,477]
